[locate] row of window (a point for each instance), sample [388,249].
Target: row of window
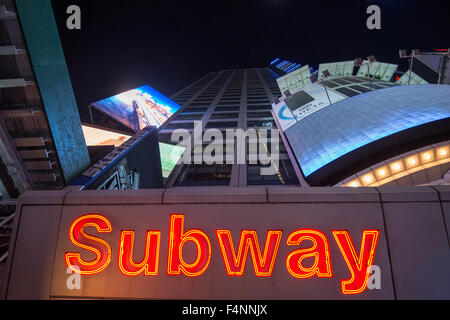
[207,175]
[269,123]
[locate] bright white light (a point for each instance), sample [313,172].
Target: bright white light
[396,166]
[368,179]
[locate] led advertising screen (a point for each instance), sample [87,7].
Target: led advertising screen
[295,79]
[302,103]
[170,155]
[378,70]
[344,68]
[410,77]
[353,123]
[139,108]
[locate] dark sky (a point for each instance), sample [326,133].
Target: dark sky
[169,44]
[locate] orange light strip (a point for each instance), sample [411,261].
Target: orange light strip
[319,251]
[99,247]
[176,264]
[358,266]
[263,264]
[399,168]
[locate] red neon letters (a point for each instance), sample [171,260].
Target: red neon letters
[177,239]
[263,264]
[149,265]
[319,251]
[358,265]
[263,259]
[99,247]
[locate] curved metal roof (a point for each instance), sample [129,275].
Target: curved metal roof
[348,125]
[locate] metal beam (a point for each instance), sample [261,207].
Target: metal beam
[6,15]
[10,51]
[12,83]
[25,113]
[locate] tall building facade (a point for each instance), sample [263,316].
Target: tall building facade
[229,99]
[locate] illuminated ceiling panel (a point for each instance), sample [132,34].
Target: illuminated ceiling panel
[331,133]
[99,137]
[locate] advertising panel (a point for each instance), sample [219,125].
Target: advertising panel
[304,102]
[170,155]
[344,68]
[354,123]
[410,77]
[295,79]
[378,70]
[139,108]
[135,164]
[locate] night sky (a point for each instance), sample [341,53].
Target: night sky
[169,44]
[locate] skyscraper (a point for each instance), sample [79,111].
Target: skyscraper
[339,128]
[229,99]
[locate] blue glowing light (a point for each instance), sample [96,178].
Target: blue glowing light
[282,115]
[282,64]
[292,68]
[287,66]
[274,74]
[275,61]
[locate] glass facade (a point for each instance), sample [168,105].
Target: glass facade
[228,100]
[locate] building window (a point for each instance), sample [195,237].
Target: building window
[221,124]
[259,107]
[195,109]
[261,124]
[227,108]
[263,114]
[181,125]
[205,175]
[284,174]
[231,115]
[189,116]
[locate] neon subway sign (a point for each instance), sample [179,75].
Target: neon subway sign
[234,259]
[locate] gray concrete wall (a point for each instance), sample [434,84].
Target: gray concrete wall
[413,249]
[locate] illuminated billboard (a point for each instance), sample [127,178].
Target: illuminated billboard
[170,155]
[295,79]
[302,103]
[139,108]
[331,133]
[134,164]
[344,68]
[410,77]
[378,70]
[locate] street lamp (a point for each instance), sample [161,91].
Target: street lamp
[414,53]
